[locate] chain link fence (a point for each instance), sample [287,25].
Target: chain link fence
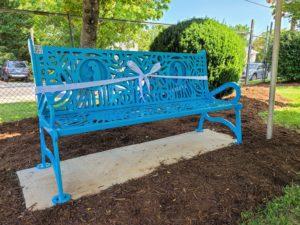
[17,90]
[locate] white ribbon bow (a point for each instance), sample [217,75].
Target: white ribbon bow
[143,78]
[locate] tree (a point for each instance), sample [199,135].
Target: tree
[147,35]
[259,45]
[90,15]
[5,54]
[242,30]
[14,31]
[292,11]
[140,10]
[289,60]
[54,29]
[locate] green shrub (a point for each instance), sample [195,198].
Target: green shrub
[5,55]
[225,48]
[289,56]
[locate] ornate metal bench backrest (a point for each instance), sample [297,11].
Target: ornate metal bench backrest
[58,65]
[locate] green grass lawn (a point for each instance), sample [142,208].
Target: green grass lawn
[17,111]
[284,210]
[292,93]
[288,116]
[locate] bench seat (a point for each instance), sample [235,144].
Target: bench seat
[71,122]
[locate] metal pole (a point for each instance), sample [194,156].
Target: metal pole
[275,56]
[249,51]
[71,30]
[268,49]
[271,28]
[265,54]
[32,34]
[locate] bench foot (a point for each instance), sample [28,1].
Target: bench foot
[42,166]
[58,200]
[238,142]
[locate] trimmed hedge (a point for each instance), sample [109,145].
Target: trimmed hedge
[225,48]
[289,56]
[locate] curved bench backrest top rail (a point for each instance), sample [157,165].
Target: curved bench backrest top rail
[58,65]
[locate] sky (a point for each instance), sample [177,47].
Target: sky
[231,12]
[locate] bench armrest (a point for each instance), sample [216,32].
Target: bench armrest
[224,87]
[46,101]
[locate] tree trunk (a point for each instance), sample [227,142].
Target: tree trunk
[90,17]
[293,24]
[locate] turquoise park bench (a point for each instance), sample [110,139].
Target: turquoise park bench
[84,90]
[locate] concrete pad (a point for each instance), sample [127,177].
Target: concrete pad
[90,174]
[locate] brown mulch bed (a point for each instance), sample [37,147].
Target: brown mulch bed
[209,189]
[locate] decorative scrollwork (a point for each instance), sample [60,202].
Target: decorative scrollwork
[58,65]
[92,70]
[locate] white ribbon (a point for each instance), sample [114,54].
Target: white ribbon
[143,78]
[83,85]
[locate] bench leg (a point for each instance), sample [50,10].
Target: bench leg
[238,125]
[201,122]
[61,197]
[236,129]
[43,164]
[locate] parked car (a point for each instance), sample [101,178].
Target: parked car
[15,69]
[256,71]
